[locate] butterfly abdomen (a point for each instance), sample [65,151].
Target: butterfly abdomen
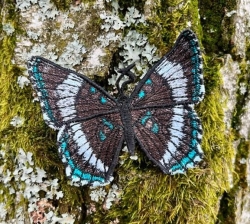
[126,118]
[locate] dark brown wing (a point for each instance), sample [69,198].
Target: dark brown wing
[169,136]
[65,95]
[164,121]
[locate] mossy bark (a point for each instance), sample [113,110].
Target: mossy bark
[147,195]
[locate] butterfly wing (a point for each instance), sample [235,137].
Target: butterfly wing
[169,136]
[90,148]
[165,123]
[90,130]
[65,95]
[176,79]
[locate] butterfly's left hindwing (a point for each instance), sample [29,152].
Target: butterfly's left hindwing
[90,148]
[65,95]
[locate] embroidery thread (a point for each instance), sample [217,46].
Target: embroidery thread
[93,125]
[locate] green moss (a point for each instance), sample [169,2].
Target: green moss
[148,195]
[65,4]
[168,19]
[217,28]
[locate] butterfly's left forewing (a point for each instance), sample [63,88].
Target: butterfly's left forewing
[65,95]
[87,117]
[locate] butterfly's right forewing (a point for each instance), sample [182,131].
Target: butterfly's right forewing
[176,79]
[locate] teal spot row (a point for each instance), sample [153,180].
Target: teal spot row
[194,122]
[145,118]
[102,136]
[76,172]
[108,124]
[41,85]
[155,128]
[196,70]
[148,82]
[194,133]
[196,79]
[184,161]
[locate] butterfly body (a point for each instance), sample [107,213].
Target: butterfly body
[158,115]
[126,118]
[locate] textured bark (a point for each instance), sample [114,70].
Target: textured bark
[99,37]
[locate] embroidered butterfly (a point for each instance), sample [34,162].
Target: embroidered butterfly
[158,115]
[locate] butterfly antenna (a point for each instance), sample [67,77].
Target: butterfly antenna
[125,71]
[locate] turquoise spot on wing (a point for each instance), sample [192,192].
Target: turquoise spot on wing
[155,128]
[71,163]
[194,133]
[141,94]
[66,153]
[146,118]
[108,124]
[86,176]
[35,69]
[193,143]
[100,179]
[102,136]
[148,82]
[63,146]
[77,172]
[92,90]
[192,154]
[103,100]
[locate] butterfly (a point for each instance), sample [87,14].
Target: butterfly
[158,115]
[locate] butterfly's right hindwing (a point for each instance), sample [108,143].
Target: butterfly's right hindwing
[170,137]
[65,95]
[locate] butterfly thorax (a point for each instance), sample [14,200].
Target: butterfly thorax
[125,112]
